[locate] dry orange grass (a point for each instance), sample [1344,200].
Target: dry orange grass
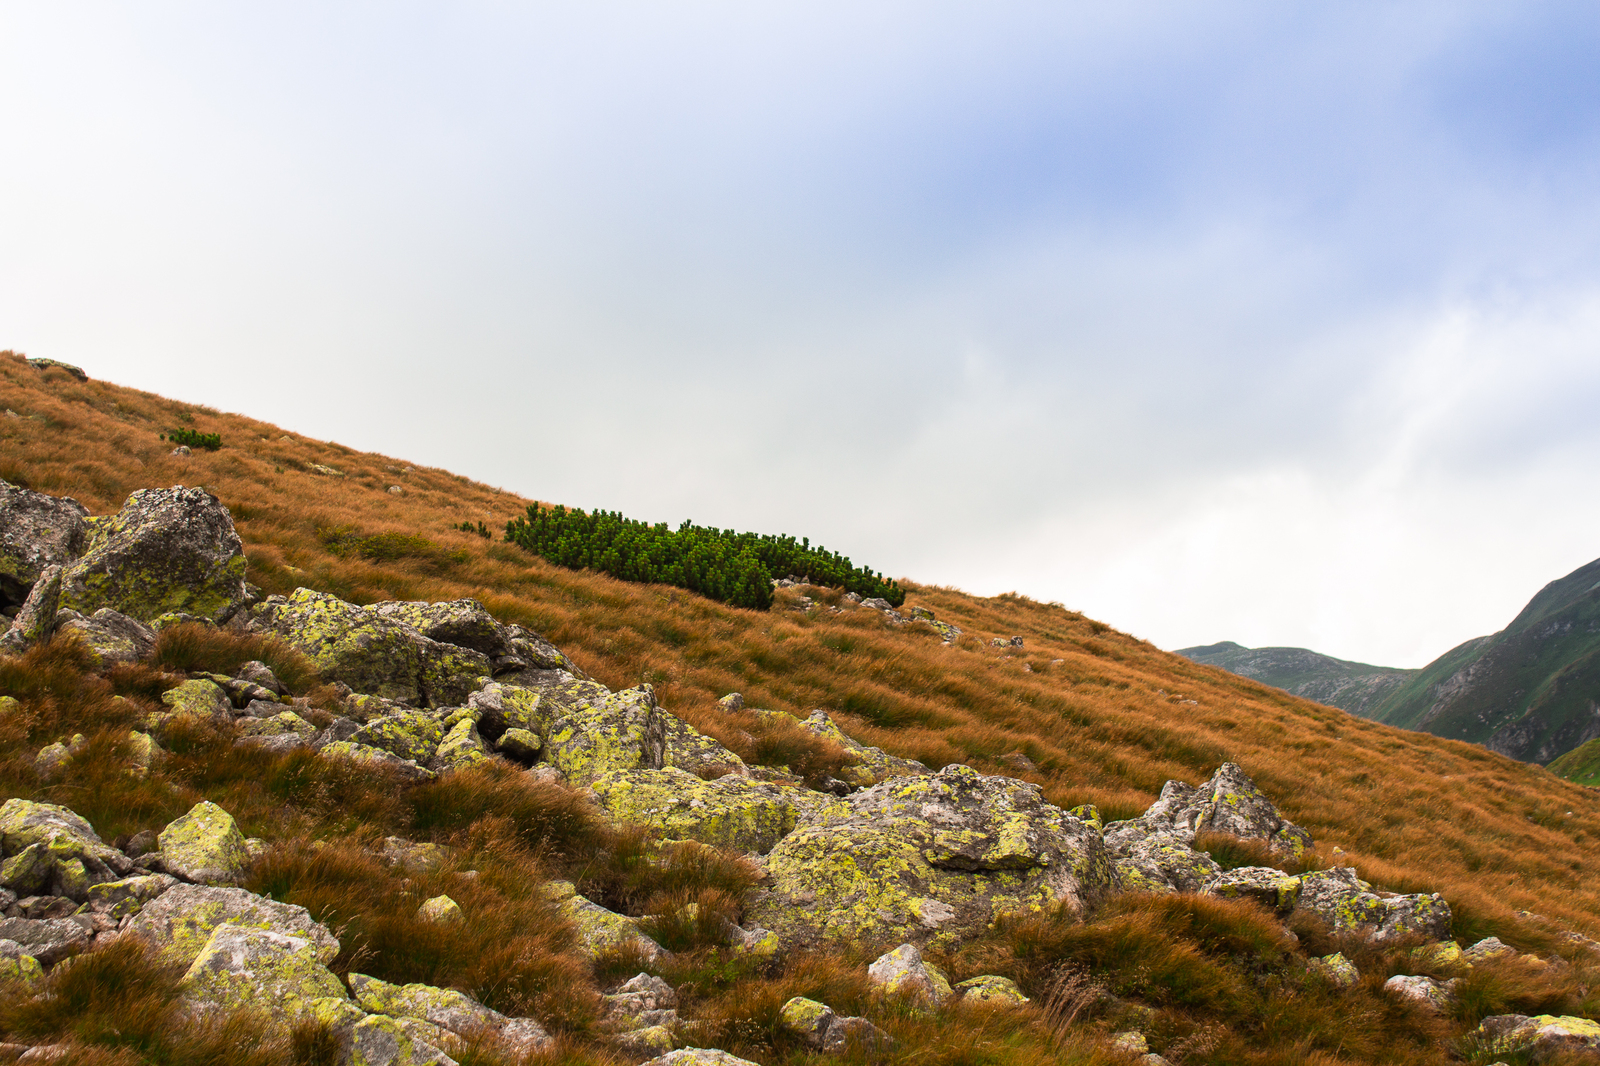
[1106,717]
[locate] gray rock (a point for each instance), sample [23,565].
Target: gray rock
[1347,903]
[37,616]
[1163,863]
[731,703]
[365,753]
[698,1056]
[180,921]
[1228,803]
[594,730]
[1264,884]
[70,839]
[259,673]
[205,846]
[339,729]
[847,1035]
[929,859]
[1437,996]
[40,363]
[37,532]
[1538,1038]
[29,870]
[48,940]
[373,651]
[903,971]
[167,550]
[112,637]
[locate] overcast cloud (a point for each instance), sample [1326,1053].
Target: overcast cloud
[1263,322]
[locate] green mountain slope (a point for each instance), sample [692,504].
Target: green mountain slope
[1354,687]
[1529,691]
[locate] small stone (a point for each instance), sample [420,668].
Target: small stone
[47,939]
[807,1019]
[698,1056]
[903,971]
[52,761]
[854,1035]
[992,990]
[396,490]
[731,703]
[441,910]
[181,450]
[1488,948]
[521,744]
[1337,970]
[1437,996]
[1130,1041]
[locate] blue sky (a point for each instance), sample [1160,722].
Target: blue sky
[1263,322]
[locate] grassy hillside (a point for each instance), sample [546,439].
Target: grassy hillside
[1102,717]
[1355,687]
[1527,691]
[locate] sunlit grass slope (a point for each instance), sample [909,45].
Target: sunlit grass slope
[1105,717]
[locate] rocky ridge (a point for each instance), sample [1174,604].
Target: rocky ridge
[890,852]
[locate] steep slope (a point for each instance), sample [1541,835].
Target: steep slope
[1581,764]
[1529,691]
[1355,687]
[1100,716]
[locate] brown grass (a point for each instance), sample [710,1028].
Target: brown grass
[1106,717]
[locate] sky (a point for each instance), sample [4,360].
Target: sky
[1265,322]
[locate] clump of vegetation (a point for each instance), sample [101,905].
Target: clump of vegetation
[480,529]
[192,438]
[389,546]
[734,568]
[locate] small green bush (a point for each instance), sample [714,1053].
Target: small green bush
[194,439]
[735,568]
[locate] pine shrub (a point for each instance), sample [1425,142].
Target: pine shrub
[734,568]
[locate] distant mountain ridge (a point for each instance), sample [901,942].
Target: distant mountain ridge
[1359,688]
[1530,691]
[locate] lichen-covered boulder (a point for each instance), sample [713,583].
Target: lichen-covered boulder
[447,1009]
[929,859]
[600,930]
[1228,803]
[48,940]
[36,618]
[1490,947]
[129,895]
[731,811]
[855,1036]
[872,765]
[462,746]
[27,873]
[37,532]
[205,846]
[464,623]
[688,749]
[180,921]
[904,972]
[643,1001]
[199,698]
[1264,884]
[285,723]
[992,990]
[241,967]
[17,965]
[167,550]
[413,735]
[807,1019]
[594,730]
[405,769]
[1538,1038]
[374,653]
[698,1056]
[109,636]
[1437,996]
[1164,864]
[76,851]
[520,744]
[503,707]
[369,1039]
[441,910]
[1346,903]
[1337,970]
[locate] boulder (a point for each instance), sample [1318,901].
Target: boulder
[1264,884]
[1164,864]
[992,991]
[1538,1038]
[1347,904]
[503,707]
[49,940]
[37,532]
[1437,996]
[1337,970]
[413,735]
[372,652]
[28,872]
[929,859]
[180,921]
[446,1009]
[462,746]
[167,550]
[441,910]
[807,1019]
[205,846]
[731,811]
[36,618]
[1490,947]
[285,723]
[1228,803]
[855,1036]
[110,636]
[688,749]
[520,744]
[872,765]
[903,972]
[365,753]
[71,841]
[129,895]
[17,965]
[698,1056]
[463,623]
[594,730]
[600,930]
[199,698]
[240,967]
